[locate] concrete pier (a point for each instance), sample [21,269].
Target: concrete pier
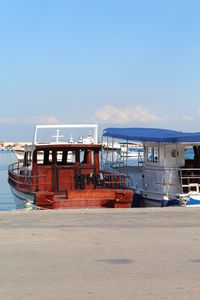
[100,254]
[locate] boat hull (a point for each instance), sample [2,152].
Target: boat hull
[192,201]
[75,199]
[21,198]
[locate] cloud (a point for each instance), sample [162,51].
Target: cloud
[118,115]
[187,118]
[8,121]
[32,120]
[42,119]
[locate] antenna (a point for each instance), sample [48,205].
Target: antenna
[57,136]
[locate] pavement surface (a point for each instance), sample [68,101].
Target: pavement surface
[145,253]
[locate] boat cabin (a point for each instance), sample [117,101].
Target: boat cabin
[57,168]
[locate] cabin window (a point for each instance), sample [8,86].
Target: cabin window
[66,156]
[87,157]
[28,159]
[50,156]
[59,156]
[155,154]
[152,154]
[40,157]
[174,153]
[189,153]
[92,161]
[71,157]
[82,156]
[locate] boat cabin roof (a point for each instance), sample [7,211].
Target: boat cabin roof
[58,147]
[153,135]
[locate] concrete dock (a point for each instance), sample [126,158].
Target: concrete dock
[143,253]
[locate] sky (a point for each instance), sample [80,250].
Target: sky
[117,63]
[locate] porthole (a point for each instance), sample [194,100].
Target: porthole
[174,153]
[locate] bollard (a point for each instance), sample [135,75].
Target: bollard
[165,201]
[28,205]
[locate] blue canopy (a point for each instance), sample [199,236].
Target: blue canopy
[152,135]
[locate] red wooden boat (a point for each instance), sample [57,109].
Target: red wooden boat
[66,175]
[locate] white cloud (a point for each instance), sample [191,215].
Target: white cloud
[187,118]
[42,119]
[8,121]
[118,115]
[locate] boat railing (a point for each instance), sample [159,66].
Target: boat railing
[102,180]
[140,158]
[116,181]
[113,167]
[29,183]
[117,164]
[190,180]
[25,182]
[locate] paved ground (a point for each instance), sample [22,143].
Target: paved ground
[100,254]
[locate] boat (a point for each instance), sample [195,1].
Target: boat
[9,149]
[131,150]
[46,179]
[19,152]
[88,140]
[2,148]
[165,176]
[114,145]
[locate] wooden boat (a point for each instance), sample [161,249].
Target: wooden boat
[48,180]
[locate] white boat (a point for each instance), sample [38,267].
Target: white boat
[71,140]
[2,148]
[113,145]
[10,149]
[165,176]
[88,140]
[19,152]
[131,150]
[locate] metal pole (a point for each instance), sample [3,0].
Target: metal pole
[112,150]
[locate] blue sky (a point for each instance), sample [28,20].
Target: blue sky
[117,63]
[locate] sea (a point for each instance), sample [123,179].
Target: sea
[6,198]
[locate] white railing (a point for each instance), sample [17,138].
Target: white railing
[190,180]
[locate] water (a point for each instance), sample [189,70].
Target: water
[6,198]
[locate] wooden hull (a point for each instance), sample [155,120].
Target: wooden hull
[75,199]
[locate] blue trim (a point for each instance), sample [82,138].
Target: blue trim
[193,202]
[175,202]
